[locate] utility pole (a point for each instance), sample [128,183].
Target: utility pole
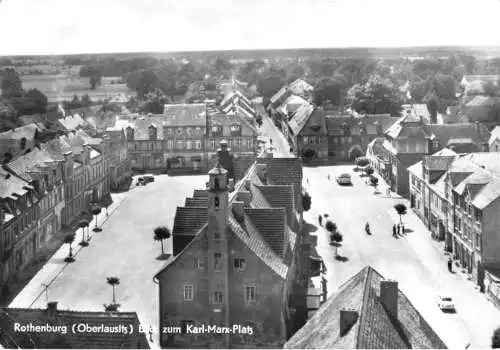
[45,288]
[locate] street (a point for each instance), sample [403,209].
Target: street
[275,139]
[414,260]
[124,249]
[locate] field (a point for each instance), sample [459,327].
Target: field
[60,87]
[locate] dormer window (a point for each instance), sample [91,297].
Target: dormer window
[179,131]
[217,130]
[170,131]
[197,130]
[189,131]
[435,144]
[152,132]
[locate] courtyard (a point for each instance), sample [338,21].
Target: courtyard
[125,249]
[415,260]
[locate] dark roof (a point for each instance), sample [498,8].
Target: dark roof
[28,132]
[185,114]
[278,196]
[29,162]
[226,120]
[271,224]
[315,125]
[196,202]
[76,340]
[10,185]
[477,132]
[200,193]
[374,328]
[188,220]
[437,163]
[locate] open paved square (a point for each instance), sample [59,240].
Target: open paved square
[414,260]
[124,249]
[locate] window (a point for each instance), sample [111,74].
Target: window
[189,131]
[189,145]
[305,140]
[188,292]
[349,139]
[218,297]
[179,145]
[435,144]
[197,130]
[179,131]
[216,235]
[478,241]
[239,264]
[198,144]
[169,131]
[216,183]
[217,261]
[196,262]
[216,203]
[477,215]
[170,144]
[250,292]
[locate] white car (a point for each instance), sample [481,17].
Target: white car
[344,179]
[445,302]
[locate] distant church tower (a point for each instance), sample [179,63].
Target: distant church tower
[218,251]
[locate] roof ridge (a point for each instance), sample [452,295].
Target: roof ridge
[362,318]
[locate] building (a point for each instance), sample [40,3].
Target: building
[70,329]
[306,130]
[367,312]
[474,84]
[494,141]
[17,141]
[173,139]
[482,109]
[236,131]
[301,88]
[409,139]
[428,191]
[346,131]
[235,257]
[120,170]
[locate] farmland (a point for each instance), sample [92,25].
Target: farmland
[60,87]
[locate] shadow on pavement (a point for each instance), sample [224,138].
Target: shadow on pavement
[408,230]
[447,311]
[163,257]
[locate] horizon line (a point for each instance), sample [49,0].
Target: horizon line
[258,49]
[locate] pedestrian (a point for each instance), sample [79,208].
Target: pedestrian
[399,229]
[402,229]
[320,220]
[394,230]
[307,180]
[328,177]
[450,265]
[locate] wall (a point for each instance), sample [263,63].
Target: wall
[491,234]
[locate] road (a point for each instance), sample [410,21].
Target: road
[415,261]
[275,139]
[124,249]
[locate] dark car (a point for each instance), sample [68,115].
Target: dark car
[140,181]
[149,178]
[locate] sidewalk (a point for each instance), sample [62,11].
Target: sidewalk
[53,267]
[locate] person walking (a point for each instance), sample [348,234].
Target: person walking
[450,265]
[399,230]
[328,177]
[394,230]
[320,220]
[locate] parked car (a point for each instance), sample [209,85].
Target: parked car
[141,181]
[344,179]
[445,303]
[149,178]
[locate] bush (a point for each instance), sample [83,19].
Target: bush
[369,170]
[308,153]
[336,237]
[495,339]
[306,201]
[374,180]
[331,226]
[362,162]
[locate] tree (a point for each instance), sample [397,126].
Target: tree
[401,210]
[336,238]
[69,239]
[269,85]
[84,224]
[355,152]
[369,170]
[329,90]
[160,234]
[86,101]
[113,281]
[294,71]
[374,181]
[93,82]
[96,211]
[362,162]
[490,89]
[306,201]
[308,153]
[330,226]
[432,107]
[495,339]
[11,84]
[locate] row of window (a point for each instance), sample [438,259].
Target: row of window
[239,264]
[312,139]
[250,293]
[188,144]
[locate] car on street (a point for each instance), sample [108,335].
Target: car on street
[141,181]
[344,179]
[149,178]
[445,302]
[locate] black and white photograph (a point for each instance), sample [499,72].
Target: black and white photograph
[278,174]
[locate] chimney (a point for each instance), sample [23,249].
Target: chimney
[389,297]
[238,209]
[245,197]
[261,171]
[348,318]
[52,308]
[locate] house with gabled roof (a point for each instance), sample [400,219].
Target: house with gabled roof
[52,328]
[300,87]
[17,141]
[481,109]
[367,312]
[235,258]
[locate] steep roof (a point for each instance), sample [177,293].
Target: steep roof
[29,162]
[280,96]
[188,220]
[478,133]
[482,78]
[300,118]
[495,134]
[185,114]
[300,87]
[315,125]
[373,329]
[28,132]
[11,185]
[57,148]
[77,340]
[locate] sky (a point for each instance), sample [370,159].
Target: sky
[30,27]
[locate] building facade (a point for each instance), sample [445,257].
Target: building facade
[120,170]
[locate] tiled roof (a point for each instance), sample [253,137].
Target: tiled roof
[196,202]
[443,133]
[479,101]
[280,96]
[185,114]
[28,132]
[56,148]
[188,220]
[10,185]
[226,120]
[315,125]
[334,124]
[300,87]
[279,196]
[75,340]
[73,122]
[373,329]
[417,169]
[87,138]
[300,118]
[29,162]
[437,163]
[200,193]
[271,224]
